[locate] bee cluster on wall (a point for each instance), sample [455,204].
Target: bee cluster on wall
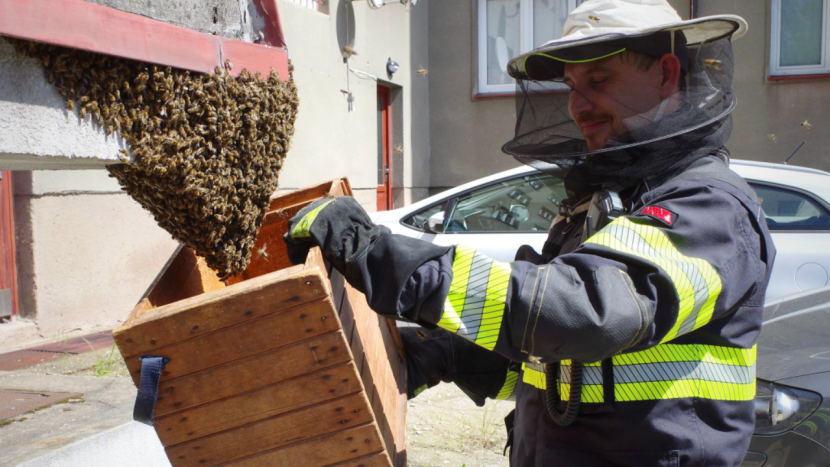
[205,149]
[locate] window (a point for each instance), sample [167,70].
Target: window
[526,204]
[317,5]
[790,210]
[419,220]
[508,28]
[799,38]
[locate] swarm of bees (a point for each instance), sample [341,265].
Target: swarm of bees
[205,149]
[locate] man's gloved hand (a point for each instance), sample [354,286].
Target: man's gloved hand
[371,258]
[439,355]
[342,230]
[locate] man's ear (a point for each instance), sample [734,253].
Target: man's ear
[670,68]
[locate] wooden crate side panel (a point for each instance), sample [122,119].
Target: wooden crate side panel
[400,436]
[245,339]
[319,452]
[381,366]
[272,433]
[252,372]
[259,404]
[303,195]
[207,313]
[372,460]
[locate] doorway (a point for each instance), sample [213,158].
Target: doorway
[384,112]
[8,269]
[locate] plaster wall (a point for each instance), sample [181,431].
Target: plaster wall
[85,257]
[768,107]
[335,139]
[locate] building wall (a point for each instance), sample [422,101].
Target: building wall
[467,132]
[768,107]
[86,252]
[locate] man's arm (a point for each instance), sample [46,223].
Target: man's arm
[638,282]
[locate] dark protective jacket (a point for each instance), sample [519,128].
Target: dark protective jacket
[663,306]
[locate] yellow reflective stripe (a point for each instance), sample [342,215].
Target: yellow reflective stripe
[667,371]
[696,282]
[689,353]
[454,304]
[493,311]
[303,228]
[509,386]
[568,363]
[660,390]
[474,307]
[591,393]
[533,377]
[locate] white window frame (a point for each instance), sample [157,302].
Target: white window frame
[775,68]
[525,45]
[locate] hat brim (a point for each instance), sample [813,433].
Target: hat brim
[601,43]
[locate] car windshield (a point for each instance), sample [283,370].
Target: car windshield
[525,204]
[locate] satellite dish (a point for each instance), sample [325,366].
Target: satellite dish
[374,4]
[501,53]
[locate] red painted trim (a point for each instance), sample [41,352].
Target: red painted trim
[385,198]
[8,263]
[87,26]
[800,77]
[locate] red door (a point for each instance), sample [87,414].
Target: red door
[8,270]
[384,156]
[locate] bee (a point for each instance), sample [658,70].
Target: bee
[593,18]
[261,253]
[714,63]
[806,124]
[349,51]
[422,71]
[771,137]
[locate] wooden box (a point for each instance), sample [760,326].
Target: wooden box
[281,366]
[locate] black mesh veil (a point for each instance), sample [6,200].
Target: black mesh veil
[646,139]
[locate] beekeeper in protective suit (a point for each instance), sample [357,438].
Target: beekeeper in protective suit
[630,339]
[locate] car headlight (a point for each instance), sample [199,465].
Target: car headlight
[781,408]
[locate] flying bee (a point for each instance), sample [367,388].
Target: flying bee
[422,71]
[806,124]
[593,18]
[714,63]
[771,137]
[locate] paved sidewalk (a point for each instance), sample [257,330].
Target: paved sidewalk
[130,445]
[98,395]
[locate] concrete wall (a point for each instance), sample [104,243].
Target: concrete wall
[86,251]
[334,140]
[768,107]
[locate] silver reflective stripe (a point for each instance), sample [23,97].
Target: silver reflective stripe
[699,285]
[667,371]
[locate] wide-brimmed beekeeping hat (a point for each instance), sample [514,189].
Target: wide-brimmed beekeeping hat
[601,28]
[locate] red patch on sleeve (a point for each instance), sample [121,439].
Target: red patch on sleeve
[663,215]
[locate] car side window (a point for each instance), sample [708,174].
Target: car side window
[790,210]
[419,219]
[524,204]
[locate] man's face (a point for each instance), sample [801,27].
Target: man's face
[607,93]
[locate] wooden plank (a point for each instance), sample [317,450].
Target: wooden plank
[372,460]
[86,26]
[301,196]
[247,338]
[207,313]
[252,372]
[259,404]
[400,437]
[273,433]
[319,452]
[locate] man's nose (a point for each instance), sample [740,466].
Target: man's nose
[579,104]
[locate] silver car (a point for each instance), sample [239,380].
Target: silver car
[497,214]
